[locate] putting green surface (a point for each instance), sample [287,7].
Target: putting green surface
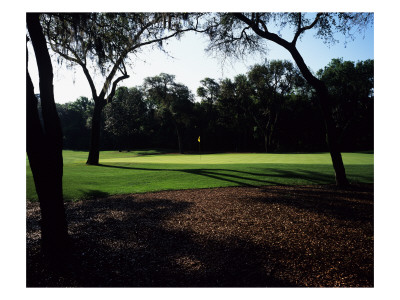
[145,171]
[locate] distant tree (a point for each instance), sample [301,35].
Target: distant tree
[208,92]
[227,106]
[300,126]
[75,119]
[236,34]
[234,109]
[271,84]
[125,116]
[246,124]
[172,102]
[44,148]
[107,39]
[351,86]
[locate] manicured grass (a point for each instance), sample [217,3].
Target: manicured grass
[145,171]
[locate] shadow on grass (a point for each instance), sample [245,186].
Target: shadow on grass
[93,194]
[245,178]
[146,152]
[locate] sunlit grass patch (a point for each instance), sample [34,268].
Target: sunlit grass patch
[146,171]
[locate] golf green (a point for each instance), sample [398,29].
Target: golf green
[150,170]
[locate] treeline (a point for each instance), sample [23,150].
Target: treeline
[269,109]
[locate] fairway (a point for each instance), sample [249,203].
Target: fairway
[147,171]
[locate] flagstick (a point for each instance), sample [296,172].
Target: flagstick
[199,151]
[199,148]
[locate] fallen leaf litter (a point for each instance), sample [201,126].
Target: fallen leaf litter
[224,237]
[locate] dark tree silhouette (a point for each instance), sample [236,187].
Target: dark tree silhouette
[125,117]
[271,83]
[351,87]
[240,33]
[172,101]
[44,147]
[108,39]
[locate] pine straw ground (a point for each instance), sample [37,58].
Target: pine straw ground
[274,236]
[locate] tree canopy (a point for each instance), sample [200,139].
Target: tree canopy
[247,112]
[173,102]
[237,34]
[107,39]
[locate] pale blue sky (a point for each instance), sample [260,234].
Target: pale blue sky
[190,64]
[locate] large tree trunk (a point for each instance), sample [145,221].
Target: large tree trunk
[44,148]
[331,135]
[94,151]
[325,104]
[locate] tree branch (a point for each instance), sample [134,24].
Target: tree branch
[123,55]
[78,61]
[300,29]
[127,51]
[114,87]
[90,80]
[265,34]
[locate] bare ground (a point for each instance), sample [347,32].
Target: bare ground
[273,236]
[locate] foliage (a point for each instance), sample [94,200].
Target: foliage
[271,101]
[351,86]
[271,84]
[171,101]
[75,119]
[249,32]
[239,34]
[125,117]
[209,90]
[108,39]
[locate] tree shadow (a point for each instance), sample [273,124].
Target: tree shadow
[330,201]
[93,194]
[242,177]
[147,152]
[125,242]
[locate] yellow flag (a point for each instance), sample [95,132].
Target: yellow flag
[198,139]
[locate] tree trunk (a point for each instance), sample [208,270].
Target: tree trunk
[268,137]
[94,151]
[44,149]
[325,104]
[178,133]
[331,135]
[322,93]
[266,144]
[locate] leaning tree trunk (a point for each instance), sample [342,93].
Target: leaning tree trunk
[322,93]
[325,104]
[44,148]
[331,134]
[94,150]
